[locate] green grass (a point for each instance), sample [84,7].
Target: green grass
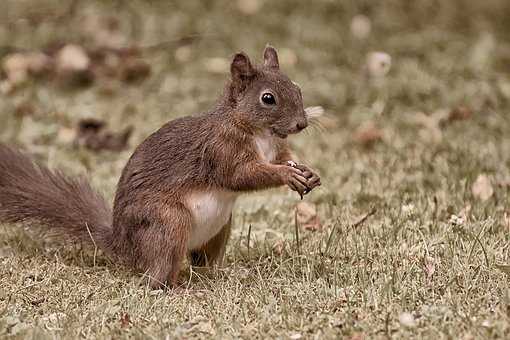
[345,280]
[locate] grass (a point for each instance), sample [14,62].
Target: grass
[410,270]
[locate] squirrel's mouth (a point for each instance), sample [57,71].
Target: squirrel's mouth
[285,133]
[279,134]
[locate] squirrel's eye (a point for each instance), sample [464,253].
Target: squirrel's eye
[268,98]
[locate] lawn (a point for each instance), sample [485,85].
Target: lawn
[408,236]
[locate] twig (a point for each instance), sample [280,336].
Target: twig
[363,218]
[93,241]
[249,235]
[296,228]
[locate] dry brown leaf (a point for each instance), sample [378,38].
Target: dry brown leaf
[307,217]
[24,109]
[92,134]
[134,69]
[73,66]
[482,188]
[459,113]
[125,320]
[368,134]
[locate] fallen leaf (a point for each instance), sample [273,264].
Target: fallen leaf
[482,188]
[407,320]
[125,320]
[378,64]
[73,66]
[307,217]
[37,302]
[92,134]
[361,26]
[134,69]
[72,58]
[24,109]
[459,113]
[368,134]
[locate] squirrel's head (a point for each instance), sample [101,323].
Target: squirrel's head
[265,97]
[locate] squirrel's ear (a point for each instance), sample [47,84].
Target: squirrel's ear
[271,57]
[241,67]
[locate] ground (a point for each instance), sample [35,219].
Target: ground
[412,233]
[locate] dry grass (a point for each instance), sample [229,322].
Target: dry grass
[410,270]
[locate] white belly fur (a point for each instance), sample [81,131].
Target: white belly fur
[266,147]
[210,210]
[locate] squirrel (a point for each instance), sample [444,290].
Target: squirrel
[175,195]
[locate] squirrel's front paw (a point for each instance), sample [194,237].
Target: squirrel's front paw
[312,178]
[296,179]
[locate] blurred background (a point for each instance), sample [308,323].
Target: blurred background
[416,126]
[394,75]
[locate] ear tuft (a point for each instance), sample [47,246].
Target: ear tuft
[241,67]
[271,57]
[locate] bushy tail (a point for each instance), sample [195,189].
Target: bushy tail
[62,205]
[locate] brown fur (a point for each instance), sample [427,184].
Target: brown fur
[151,224]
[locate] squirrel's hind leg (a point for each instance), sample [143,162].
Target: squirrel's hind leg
[162,246]
[214,250]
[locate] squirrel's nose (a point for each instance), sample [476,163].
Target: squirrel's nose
[302,124]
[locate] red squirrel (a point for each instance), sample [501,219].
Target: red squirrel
[175,195]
